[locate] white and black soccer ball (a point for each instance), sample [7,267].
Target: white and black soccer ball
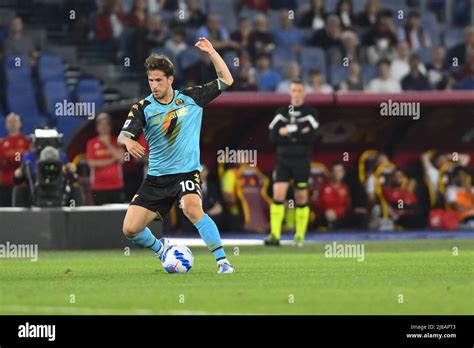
[178,259]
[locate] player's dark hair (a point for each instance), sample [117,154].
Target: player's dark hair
[459,169]
[159,62]
[383,61]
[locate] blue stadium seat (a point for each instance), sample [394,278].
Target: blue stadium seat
[330,6]
[337,74]
[17,67]
[55,91]
[358,6]
[20,98]
[188,58]
[453,37]
[229,59]
[280,59]
[312,58]
[249,13]
[306,34]
[226,9]
[50,67]
[425,54]
[368,73]
[89,90]
[429,20]
[273,17]
[389,4]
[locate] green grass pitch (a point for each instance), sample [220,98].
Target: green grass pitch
[281,280]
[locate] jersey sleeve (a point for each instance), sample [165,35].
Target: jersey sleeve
[279,120]
[135,121]
[204,94]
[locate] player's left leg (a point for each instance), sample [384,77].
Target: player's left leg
[302,212]
[192,208]
[301,171]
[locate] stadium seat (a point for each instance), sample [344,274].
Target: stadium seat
[425,54]
[428,20]
[306,34]
[188,58]
[453,37]
[89,90]
[312,58]
[17,67]
[358,6]
[226,10]
[337,74]
[229,57]
[55,92]
[280,59]
[249,14]
[330,6]
[389,4]
[20,98]
[273,19]
[50,67]
[368,73]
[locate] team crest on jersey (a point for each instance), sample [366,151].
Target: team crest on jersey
[179,102]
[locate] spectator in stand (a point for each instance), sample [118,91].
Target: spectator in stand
[384,83]
[460,196]
[202,72]
[402,189]
[12,148]
[157,34]
[381,39]
[19,43]
[432,164]
[330,36]
[194,18]
[242,36]
[292,74]
[350,46]
[460,51]
[137,18]
[415,80]
[436,69]
[400,66]
[354,81]
[217,34]
[267,78]
[261,40]
[466,75]
[313,16]
[283,4]
[414,34]
[246,79]
[368,17]
[257,5]
[177,42]
[111,29]
[317,83]
[287,36]
[105,158]
[344,12]
[229,182]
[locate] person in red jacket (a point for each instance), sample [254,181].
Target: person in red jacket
[12,148]
[105,158]
[334,200]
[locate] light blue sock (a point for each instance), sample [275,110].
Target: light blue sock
[210,235]
[146,239]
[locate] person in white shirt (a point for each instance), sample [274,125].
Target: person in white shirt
[384,83]
[432,164]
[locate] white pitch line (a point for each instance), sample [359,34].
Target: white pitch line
[104,311]
[225,241]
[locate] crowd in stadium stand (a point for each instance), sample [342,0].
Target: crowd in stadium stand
[269,35]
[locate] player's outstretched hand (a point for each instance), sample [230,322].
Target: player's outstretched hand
[204,45]
[134,148]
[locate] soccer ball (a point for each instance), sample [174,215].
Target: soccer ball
[178,259]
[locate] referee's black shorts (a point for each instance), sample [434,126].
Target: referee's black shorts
[296,169]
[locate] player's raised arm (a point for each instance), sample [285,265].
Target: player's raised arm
[222,70]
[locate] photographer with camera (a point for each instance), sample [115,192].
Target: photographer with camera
[45,177]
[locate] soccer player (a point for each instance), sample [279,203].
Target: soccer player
[171,120]
[292,129]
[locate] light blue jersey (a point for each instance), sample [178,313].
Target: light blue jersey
[172,130]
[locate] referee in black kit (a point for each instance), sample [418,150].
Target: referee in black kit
[292,130]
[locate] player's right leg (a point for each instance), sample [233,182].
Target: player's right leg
[135,229]
[281,177]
